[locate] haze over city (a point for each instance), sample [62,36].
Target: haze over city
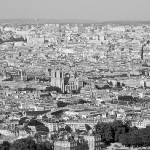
[96,10]
[74,75]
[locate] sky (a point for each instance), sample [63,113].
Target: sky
[97,10]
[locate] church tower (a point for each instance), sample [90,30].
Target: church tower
[57,78]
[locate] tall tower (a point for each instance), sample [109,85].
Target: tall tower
[37,22]
[142,48]
[142,52]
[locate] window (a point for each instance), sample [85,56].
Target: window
[55,74]
[60,74]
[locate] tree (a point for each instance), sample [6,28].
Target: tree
[5,145]
[138,140]
[25,144]
[145,135]
[88,128]
[81,101]
[110,132]
[124,139]
[106,132]
[61,104]
[133,129]
[44,146]
[30,144]
[47,145]
[68,129]
[136,137]
[38,137]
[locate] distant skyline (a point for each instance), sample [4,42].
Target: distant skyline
[94,10]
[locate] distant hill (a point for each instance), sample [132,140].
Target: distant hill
[41,21]
[45,21]
[126,22]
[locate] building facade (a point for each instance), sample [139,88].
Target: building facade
[94,142]
[65,145]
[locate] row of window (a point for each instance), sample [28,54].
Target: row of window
[97,148]
[61,75]
[69,87]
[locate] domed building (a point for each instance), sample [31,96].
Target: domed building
[38,127]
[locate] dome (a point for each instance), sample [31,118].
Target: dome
[43,130]
[39,126]
[34,123]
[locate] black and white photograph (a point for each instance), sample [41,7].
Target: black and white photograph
[74,74]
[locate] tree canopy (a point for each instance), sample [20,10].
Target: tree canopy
[110,132]
[123,133]
[26,144]
[62,104]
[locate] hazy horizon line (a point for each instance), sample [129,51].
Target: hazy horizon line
[74,21]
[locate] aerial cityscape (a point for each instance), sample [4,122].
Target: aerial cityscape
[74,83]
